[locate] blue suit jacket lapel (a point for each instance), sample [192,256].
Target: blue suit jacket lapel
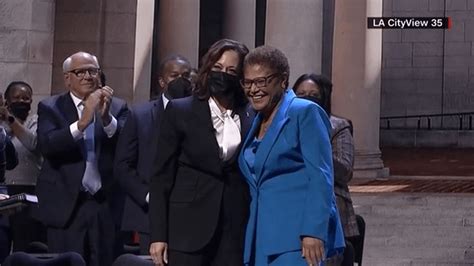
[246,117]
[243,163]
[273,131]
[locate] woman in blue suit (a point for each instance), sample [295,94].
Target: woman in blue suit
[286,160]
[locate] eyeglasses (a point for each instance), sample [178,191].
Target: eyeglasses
[259,82]
[81,73]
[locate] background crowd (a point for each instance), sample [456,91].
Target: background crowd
[225,165]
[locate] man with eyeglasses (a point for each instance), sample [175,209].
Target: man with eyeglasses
[134,157]
[77,135]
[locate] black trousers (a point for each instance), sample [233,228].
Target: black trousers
[26,230]
[222,250]
[227,244]
[144,240]
[5,238]
[90,232]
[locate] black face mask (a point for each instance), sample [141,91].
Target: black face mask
[179,88]
[20,109]
[222,84]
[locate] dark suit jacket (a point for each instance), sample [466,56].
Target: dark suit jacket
[187,186]
[134,160]
[8,154]
[60,179]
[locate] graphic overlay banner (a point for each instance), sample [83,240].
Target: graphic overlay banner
[408,22]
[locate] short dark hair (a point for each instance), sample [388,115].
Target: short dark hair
[103,78]
[325,86]
[14,84]
[270,57]
[169,58]
[211,57]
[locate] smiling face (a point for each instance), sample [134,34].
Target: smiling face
[81,87]
[266,87]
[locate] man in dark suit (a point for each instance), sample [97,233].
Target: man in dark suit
[77,133]
[135,153]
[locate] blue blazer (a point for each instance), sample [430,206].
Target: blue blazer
[292,190]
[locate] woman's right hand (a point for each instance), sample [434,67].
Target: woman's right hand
[159,253]
[312,250]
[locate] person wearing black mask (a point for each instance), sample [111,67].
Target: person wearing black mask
[20,125]
[198,198]
[134,153]
[174,77]
[318,89]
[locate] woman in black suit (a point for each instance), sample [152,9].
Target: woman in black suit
[198,199]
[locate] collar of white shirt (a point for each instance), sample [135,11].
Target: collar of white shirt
[77,101]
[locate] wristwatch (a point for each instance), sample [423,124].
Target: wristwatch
[11,119]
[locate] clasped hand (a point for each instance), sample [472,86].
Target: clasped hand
[99,101]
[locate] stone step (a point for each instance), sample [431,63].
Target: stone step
[410,262]
[414,199]
[425,252]
[417,229]
[416,241]
[418,221]
[411,232]
[433,212]
[441,263]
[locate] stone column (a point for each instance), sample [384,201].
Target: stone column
[239,21]
[357,61]
[105,28]
[143,50]
[296,28]
[179,29]
[26,45]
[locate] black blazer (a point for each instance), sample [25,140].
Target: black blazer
[134,161]
[188,180]
[60,179]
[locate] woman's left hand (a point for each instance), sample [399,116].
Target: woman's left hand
[312,250]
[4,196]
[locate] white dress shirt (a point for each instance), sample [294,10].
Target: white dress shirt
[77,134]
[165,100]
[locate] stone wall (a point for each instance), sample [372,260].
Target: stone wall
[428,71]
[105,28]
[26,44]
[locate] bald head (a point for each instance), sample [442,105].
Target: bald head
[81,74]
[67,64]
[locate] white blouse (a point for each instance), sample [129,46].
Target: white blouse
[227,127]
